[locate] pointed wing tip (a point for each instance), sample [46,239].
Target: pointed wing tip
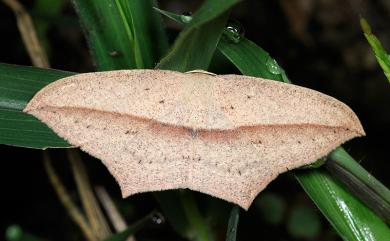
[245,205]
[357,128]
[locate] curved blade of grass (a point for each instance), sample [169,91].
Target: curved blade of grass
[150,41]
[381,55]
[195,46]
[351,218]
[360,182]
[254,63]
[18,84]
[122,34]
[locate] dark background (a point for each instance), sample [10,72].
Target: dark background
[320,45]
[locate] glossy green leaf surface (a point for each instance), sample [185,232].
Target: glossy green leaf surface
[351,218]
[251,59]
[122,34]
[381,55]
[195,46]
[360,182]
[18,84]
[149,37]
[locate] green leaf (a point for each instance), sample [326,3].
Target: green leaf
[175,17]
[381,55]
[341,208]
[360,182]
[251,59]
[18,84]
[352,219]
[150,41]
[231,233]
[195,46]
[122,34]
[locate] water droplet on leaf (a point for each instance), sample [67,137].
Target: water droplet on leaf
[233,32]
[186,17]
[158,218]
[114,53]
[273,66]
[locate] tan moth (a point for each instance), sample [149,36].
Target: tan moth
[224,135]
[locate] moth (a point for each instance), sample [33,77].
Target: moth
[224,135]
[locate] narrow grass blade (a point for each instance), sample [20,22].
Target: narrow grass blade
[18,84]
[110,208]
[352,219]
[256,63]
[360,182]
[150,41]
[122,34]
[381,55]
[195,46]
[231,232]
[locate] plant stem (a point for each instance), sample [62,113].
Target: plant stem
[90,204]
[231,232]
[66,200]
[360,182]
[113,214]
[28,32]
